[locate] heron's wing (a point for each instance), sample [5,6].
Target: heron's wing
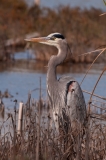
[76,101]
[72,101]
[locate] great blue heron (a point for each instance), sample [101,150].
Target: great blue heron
[63,92]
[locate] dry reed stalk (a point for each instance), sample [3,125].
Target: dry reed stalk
[89,112]
[97,83]
[102,14]
[2,108]
[39,119]
[92,63]
[20,119]
[93,51]
[50,149]
[94,95]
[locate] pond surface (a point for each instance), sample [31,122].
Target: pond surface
[23,75]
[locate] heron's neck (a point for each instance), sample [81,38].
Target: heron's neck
[54,62]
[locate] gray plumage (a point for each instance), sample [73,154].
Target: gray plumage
[65,93]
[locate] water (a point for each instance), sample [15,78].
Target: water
[73,3]
[23,75]
[24,55]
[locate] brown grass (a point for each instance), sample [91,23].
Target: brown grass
[80,27]
[38,141]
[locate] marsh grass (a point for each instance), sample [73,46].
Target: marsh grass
[80,27]
[38,141]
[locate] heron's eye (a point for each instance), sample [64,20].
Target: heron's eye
[53,38]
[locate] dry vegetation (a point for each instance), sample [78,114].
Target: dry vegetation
[37,140]
[84,29]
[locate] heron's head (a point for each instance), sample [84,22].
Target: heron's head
[54,39]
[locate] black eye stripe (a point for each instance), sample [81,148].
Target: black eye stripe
[58,36]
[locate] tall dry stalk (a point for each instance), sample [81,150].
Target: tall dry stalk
[20,119]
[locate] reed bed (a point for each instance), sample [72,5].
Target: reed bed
[37,140]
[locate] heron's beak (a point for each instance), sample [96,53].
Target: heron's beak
[39,40]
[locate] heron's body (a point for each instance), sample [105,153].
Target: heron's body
[64,93]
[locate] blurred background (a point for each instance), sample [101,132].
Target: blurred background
[73,3]
[22,64]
